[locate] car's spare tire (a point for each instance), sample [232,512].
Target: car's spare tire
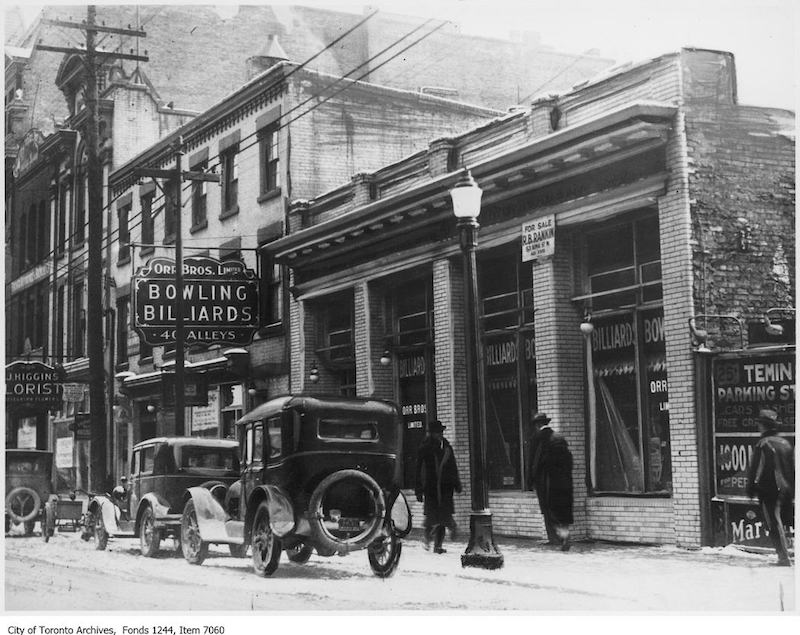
[346,511]
[23,504]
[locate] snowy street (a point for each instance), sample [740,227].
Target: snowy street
[67,574]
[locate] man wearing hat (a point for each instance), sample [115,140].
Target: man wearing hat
[436,480]
[550,474]
[771,476]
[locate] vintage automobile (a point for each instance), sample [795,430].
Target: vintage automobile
[150,505]
[28,486]
[318,473]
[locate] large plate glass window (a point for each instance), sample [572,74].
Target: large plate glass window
[506,304]
[628,435]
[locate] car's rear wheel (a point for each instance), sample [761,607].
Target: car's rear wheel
[238,551]
[100,533]
[266,545]
[149,536]
[384,555]
[299,553]
[48,521]
[194,548]
[23,504]
[357,484]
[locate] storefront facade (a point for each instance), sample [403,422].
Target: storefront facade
[591,328]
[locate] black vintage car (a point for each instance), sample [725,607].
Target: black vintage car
[318,473]
[28,486]
[151,503]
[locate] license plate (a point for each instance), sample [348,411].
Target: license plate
[349,524]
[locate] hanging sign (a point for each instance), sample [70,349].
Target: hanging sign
[33,384]
[74,392]
[220,301]
[539,238]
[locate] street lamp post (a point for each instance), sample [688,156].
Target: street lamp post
[481,551]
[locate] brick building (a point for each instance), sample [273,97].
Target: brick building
[197,57]
[274,140]
[673,214]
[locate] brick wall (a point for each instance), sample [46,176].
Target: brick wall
[451,377]
[560,361]
[649,521]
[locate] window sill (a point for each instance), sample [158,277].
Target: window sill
[168,240]
[122,366]
[271,330]
[229,212]
[629,494]
[146,250]
[197,227]
[76,246]
[123,261]
[268,196]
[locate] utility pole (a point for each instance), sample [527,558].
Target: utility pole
[175,178]
[92,58]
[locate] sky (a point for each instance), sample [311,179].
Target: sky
[760,34]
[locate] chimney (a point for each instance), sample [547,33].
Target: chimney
[270,54]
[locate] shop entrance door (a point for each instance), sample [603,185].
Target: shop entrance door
[415,407]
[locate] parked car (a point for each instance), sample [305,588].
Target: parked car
[29,475]
[149,506]
[318,473]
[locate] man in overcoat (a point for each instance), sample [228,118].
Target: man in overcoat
[550,474]
[771,477]
[436,480]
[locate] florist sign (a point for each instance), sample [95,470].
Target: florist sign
[220,301]
[33,384]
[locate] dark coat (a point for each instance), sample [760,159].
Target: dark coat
[551,474]
[437,478]
[771,471]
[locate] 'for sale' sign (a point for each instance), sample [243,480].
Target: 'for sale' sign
[539,238]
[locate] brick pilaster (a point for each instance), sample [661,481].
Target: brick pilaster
[450,368]
[560,361]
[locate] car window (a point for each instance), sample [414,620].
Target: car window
[258,443]
[137,456]
[148,459]
[209,458]
[274,426]
[24,466]
[348,429]
[248,451]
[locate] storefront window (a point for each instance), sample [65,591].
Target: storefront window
[506,294]
[338,345]
[411,339]
[629,438]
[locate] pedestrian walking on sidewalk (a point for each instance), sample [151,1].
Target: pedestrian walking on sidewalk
[436,480]
[771,477]
[550,474]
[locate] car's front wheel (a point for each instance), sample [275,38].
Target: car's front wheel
[48,521]
[266,545]
[100,533]
[384,555]
[194,548]
[149,536]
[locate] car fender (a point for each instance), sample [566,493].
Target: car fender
[160,508]
[210,514]
[400,514]
[109,512]
[281,511]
